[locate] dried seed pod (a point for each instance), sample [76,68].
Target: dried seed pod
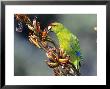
[52,64]
[64,55]
[63,61]
[61,52]
[33,40]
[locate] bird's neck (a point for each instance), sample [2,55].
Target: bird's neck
[56,31]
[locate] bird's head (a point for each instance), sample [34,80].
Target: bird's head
[55,27]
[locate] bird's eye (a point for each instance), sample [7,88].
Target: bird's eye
[54,25]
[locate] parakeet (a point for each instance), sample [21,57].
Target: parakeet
[68,42]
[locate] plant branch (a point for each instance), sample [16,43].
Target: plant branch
[57,59]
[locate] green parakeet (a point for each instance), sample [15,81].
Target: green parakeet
[68,42]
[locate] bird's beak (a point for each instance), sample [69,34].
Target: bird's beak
[49,28]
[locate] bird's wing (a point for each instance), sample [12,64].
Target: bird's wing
[75,51]
[75,46]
